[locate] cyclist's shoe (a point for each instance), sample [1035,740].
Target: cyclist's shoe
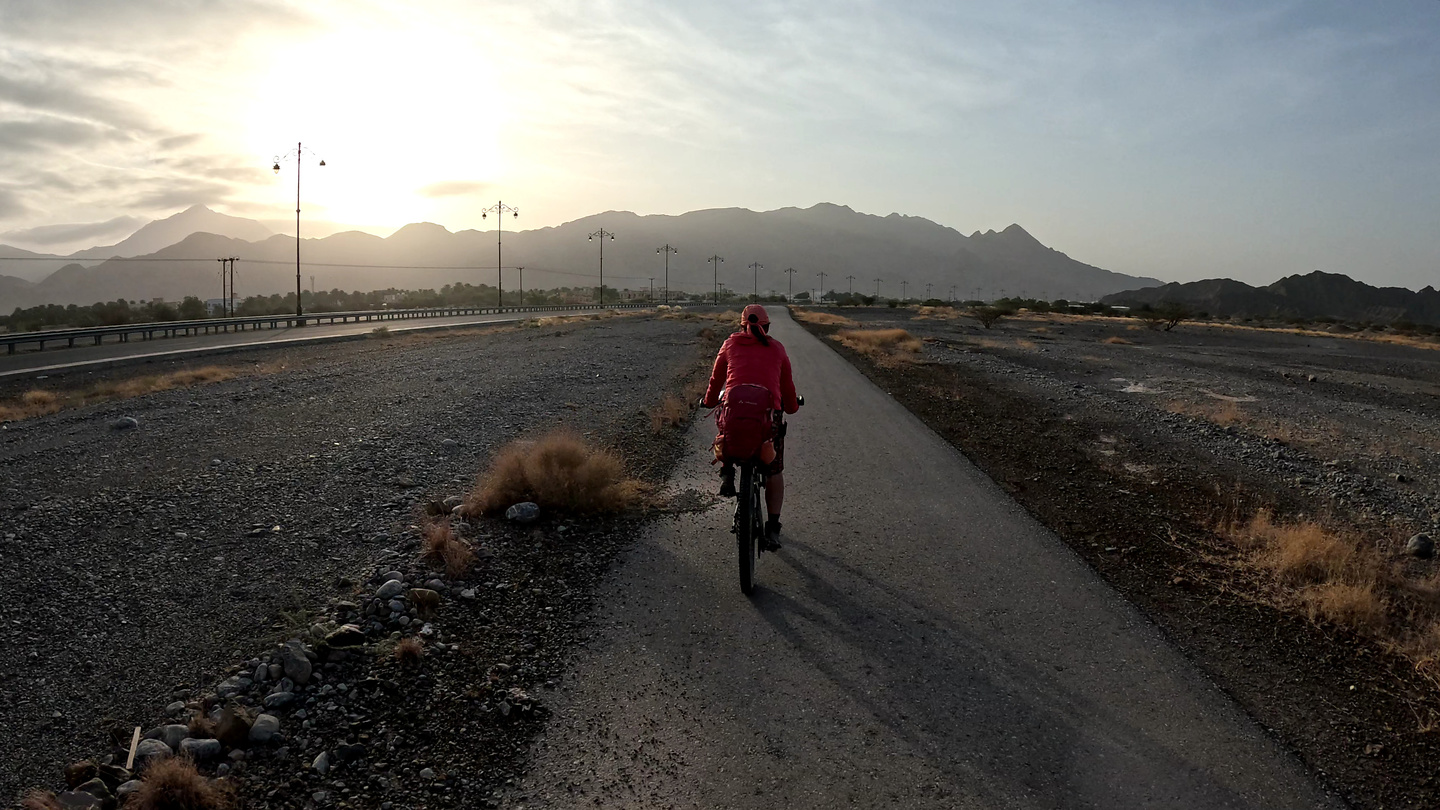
[727,481]
[772,536]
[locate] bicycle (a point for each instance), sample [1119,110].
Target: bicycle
[748,525]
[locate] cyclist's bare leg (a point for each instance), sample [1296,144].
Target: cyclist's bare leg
[774,493]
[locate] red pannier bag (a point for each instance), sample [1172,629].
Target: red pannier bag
[746,424]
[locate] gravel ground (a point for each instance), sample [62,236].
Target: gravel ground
[1133,449]
[144,563]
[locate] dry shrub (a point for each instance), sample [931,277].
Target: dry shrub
[174,784]
[201,727]
[821,318]
[427,602]
[441,547]
[42,800]
[1222,413]
[409,651]
[936,314]
[1355,606]
[559,471]
[671,412]
[1334,576]
[1116,340]
[885,346]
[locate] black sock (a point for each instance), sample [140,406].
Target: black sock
[775,518]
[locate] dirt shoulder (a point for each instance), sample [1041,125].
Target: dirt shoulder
[164,558]
[1048,410]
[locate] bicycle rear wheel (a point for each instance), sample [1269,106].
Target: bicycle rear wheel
[747,539]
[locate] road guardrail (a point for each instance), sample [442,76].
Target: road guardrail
[167,329]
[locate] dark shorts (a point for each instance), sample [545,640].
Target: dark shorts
[778,465]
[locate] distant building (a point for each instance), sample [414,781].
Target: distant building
[215,306]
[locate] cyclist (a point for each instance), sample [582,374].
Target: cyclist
[751,356]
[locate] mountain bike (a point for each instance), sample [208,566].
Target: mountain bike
[748,525]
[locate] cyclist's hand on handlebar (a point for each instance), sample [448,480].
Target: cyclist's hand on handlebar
[800,400]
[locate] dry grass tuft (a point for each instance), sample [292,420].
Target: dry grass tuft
[442,547]
[174,784]
[409,651]
[559,471]
[884,346]
[924,313]
[201,727]
[42,800]
[820,318]
[1116,340]
[1222,413]
[1335,577]
[39,402]
[427,602]
[671,412]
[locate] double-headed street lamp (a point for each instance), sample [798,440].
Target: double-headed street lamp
[298,154]
[715,262]
[822,275]
[755,288]
[667,250]
[602,233]
[790,271]
[499,208]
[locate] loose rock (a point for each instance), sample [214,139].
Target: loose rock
[526,512]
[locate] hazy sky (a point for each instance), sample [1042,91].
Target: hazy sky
[1247,139]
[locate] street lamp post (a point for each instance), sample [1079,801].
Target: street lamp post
[877,290]
[821,274]
[602,233]
[499,208]
[755,283]
[715,262]
[904,290]
[521,271]
[299,153]
[928,285]
[790,271]
[667,250]
[851,279]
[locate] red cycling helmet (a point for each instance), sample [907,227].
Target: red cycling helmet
[754,313]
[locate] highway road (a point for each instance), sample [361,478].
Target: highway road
[921,641]
[62,360]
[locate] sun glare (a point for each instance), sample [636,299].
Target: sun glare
[390,114]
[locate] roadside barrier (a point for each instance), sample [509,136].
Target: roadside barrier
[167,329]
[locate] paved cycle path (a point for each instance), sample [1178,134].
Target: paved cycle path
[920,642]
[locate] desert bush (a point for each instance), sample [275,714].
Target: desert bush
[823,318]
[380,332]
[409,651]
[201,727]
[440,546]
[671,412]
[1334,576]
[559,471]
[174,784]
[987,316]
[883,345]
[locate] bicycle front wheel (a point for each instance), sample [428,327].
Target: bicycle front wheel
[747,539]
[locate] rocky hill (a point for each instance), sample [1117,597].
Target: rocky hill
[824,238]
[1314,295]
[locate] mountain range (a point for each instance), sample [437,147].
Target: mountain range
[1310,296]
[175,257]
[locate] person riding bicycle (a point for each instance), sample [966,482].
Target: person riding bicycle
[751,356]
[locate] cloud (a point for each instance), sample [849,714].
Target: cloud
[10,204]
[451,188]
[59,234]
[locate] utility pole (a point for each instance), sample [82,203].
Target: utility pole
[927,290]
[602,233]
[715,275]
[877,289]
[652,288]
[224,290]
[822,285]
[791,272]
[904,290]
[852,284]
[952,293]
[499,208]
[755,283]
[667,250]
[312,286]
[521,270]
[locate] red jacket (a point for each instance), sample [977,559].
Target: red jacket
[744,360]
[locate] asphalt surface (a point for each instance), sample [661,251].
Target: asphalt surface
[920,641]
[59,360]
